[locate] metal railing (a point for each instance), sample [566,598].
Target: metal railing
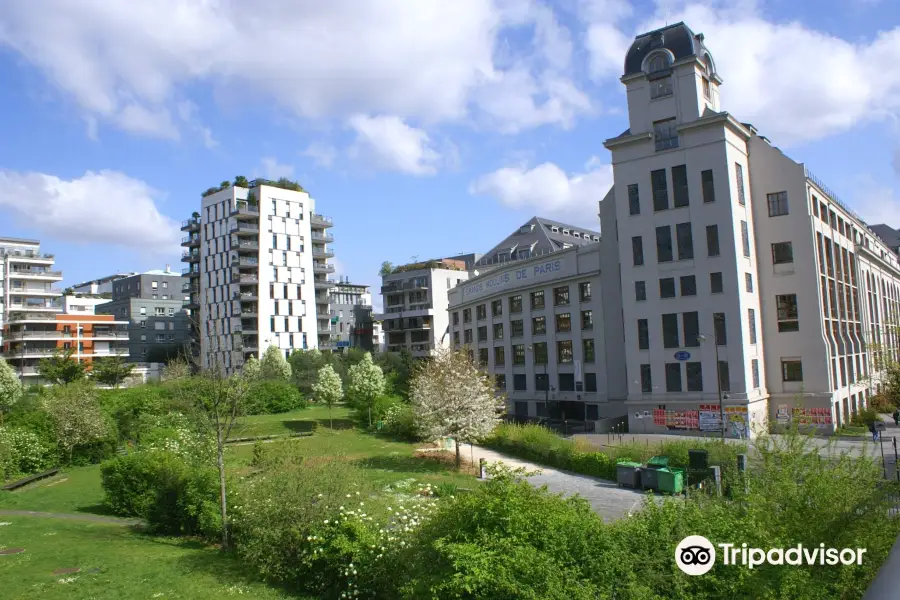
[243,206]
[248,279]
[192,222]
[244,227]
[190,271]
[321,219]
[26,254]
[45,291]
[322,237]
[319,268]
[191,239]
[34,273]
[31,317]
[245,261]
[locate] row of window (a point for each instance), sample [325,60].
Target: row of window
[560,298]
[564,353]
[692,375]
[538,327]
[565,381]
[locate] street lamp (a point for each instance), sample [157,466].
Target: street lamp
[702,338]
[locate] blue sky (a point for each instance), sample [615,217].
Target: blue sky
[423,128]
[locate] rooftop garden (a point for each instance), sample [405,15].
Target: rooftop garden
[241,181]
[388,268]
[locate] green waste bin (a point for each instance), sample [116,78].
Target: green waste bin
[670,480]
[628,474]
[658,462]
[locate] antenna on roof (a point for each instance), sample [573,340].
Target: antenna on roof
[666,5]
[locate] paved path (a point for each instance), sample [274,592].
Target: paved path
[607,499]
[70,517]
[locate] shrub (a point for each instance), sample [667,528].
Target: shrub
[863,417]
[129,405]
[163,488]
[880,403]
[400,422]
[272,396]
[22,452]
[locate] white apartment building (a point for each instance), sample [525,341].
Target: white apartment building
[548,332]
[27,282]
[415,300]
[82,304]
[741,273]
[103,285]
[258,271]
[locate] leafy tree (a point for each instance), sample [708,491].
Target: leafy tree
[10,388]
[251,368]
[386,269]
[305,366]
[273,364]
[366,384]
[397,368]
[452,398]
[179,368]
[111,370]
[241,181]
[62,368]
[328,389]
[76,414]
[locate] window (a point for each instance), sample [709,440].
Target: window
[456,338]
[788,318]
[643,335]
[664,244]
[566,382]
[667,287]
[587,347]
[143,324]
[680,186]
[467,336]
[637,250]
[671,339]
[634,200]
[517,328]
[519,384]
[481,312]
[694,372]
[587,320]
[778,204]
[515,304]
[590,385]
[497,308]
[748,282]
[685,241]
[518,352]
[724,376]
[660,87]
[720,330]
[751,324]
[584,291]
[538,325]
[754,371]
[712,240]
[456,318]
[467,315]
[739,176]
[537,300]
[564,322]
[540,353]
[706,183]
[640,291]
[498,331]
[564,351]
[499,356]
[646,379]
[143,310]
[541,383]
[660,191]
[706,88]
[715,283]
[791,370]
[159,311]
[745,239]
[482,333]
[673,377]
[500,381]
[782,253]
[561,296]
[688,285]
[160,338]
[691,323]
[482,356]
[154,284]
[665,134]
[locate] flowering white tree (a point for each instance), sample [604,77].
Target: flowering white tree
[452,398]
[328,389]
[366,383]
[251,369]
[75,411]
[274,365]
[10,388]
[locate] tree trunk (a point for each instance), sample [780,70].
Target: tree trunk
[220,451]
[330,420]
[458,458]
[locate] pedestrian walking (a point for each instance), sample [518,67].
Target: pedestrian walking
[874,431]
[897,417]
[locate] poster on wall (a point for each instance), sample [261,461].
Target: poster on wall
[782,415]
[737,419]
[812,417]
[710,419]
[676,419]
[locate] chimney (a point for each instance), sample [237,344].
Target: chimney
[168,268]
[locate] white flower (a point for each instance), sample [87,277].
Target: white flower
[326,521]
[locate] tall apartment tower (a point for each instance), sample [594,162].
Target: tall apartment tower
[742,276]
[27,282]
[257,274]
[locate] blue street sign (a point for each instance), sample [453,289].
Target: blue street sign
[682,355]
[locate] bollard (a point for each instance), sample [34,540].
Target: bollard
[482,465]
[717,479]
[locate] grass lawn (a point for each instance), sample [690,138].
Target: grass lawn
[116,564]
[76,490]
[307,419]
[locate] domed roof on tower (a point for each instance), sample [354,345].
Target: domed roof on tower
[658,50]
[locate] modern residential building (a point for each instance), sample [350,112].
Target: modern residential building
[27,282]
[101,286]
[415,304]
[84,304]
[152,304]
[258,271]
[31,337]
[546,331]
[743,276]
[537,237]
[351,317]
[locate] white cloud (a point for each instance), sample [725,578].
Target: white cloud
[549,191]
[422,60]
[274,170]
[187,111]
[105,207]
[876,202]
[322,154]
[389,143]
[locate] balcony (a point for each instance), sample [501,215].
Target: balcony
[322,253]
[322,268]
[109,335]
[192,224]
[36,306]
[244,209]
[248,279]
[192,255]
[49,334]
[191,241]
[26,255]
[192,271]
[396,286]
[245,296]
[241,228]
[53,292]
[320,221]
[324,284]
[18,316]
[321,237]
[244,245]
[244,261]
[35,274]
[193,303]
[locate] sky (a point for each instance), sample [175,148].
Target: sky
[424,128]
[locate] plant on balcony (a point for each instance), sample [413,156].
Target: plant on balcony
[386,269]
[328,389]
[195,215]
[366,384]
[62,368]
[111,370]
[241,181]
[252,200]
[273,364]
[286,184]
[10,388]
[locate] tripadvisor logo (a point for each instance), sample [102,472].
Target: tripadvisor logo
[696,555]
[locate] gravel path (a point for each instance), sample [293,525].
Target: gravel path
[70,517]
[606,498]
